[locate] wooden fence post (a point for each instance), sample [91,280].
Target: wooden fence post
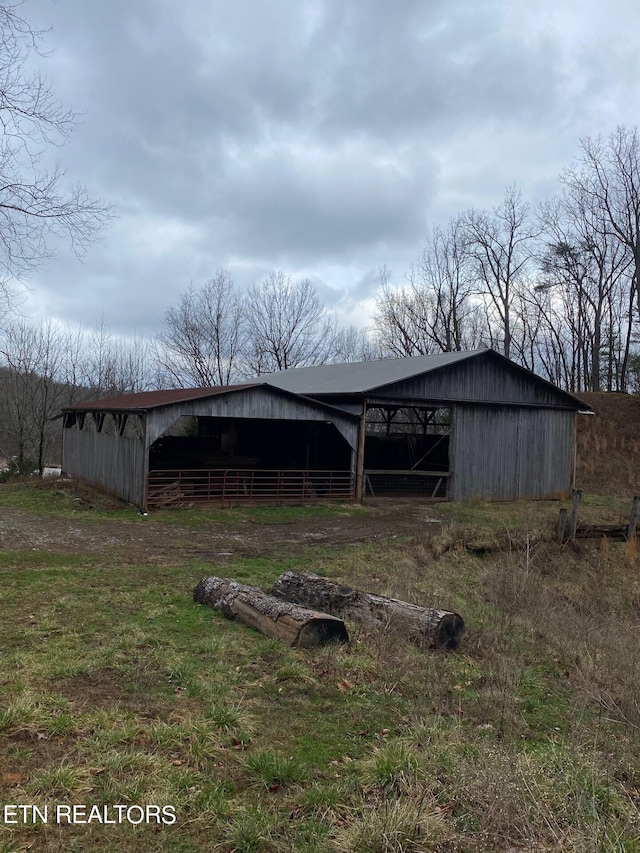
[633,521]
[576,498]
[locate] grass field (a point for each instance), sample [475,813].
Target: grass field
[117,690]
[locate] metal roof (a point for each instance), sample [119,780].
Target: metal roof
[359,377]
[145,400]
[152,399]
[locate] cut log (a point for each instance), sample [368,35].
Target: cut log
[595,531]
[428,627]
[295,625]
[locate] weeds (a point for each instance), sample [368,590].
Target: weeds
[273,769]
[392,826]
[392,768]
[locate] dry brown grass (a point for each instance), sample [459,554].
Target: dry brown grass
[608,460]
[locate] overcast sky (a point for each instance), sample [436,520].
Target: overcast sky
[321,137]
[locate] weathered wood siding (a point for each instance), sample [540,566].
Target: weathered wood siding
[484,379]
[506,453]
[112,462]
[262,403]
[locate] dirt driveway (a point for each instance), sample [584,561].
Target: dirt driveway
[152,541]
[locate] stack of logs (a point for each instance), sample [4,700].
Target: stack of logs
[307,610]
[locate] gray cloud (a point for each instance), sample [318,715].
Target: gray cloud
[322,137]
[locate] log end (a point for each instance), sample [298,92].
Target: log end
[320,630]
[450,631]
[202,592]
[299,626]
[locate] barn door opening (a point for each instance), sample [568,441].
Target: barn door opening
[230,460]
[407,451]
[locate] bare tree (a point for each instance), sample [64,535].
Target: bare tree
[201,341]
[96,367]
[107,365]
[34,391]
[444,274]
[133,359]
[550,341]
[401,320]
[35,204]
[607,177]
[287,325]
[50,392]
[590,268]
[500,244]
[353,344]
[45,367]
[20,360]
[436,312]
[398,324]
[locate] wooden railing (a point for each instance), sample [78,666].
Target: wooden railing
[196,486]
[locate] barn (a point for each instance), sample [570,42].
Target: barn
[449,426]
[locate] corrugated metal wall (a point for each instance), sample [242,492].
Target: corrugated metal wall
[482,379]
[507,453]
[258,403]
[112,462]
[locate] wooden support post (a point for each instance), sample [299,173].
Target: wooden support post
[562,524]
[576,498]
[354,473]
[145,470]
[426,626]
[633,521]
[295,625]
[362,434]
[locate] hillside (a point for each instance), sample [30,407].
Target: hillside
[21,409]
[608,461]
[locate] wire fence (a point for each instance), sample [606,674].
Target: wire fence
[428,484]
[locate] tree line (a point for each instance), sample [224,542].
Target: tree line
[555,288]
